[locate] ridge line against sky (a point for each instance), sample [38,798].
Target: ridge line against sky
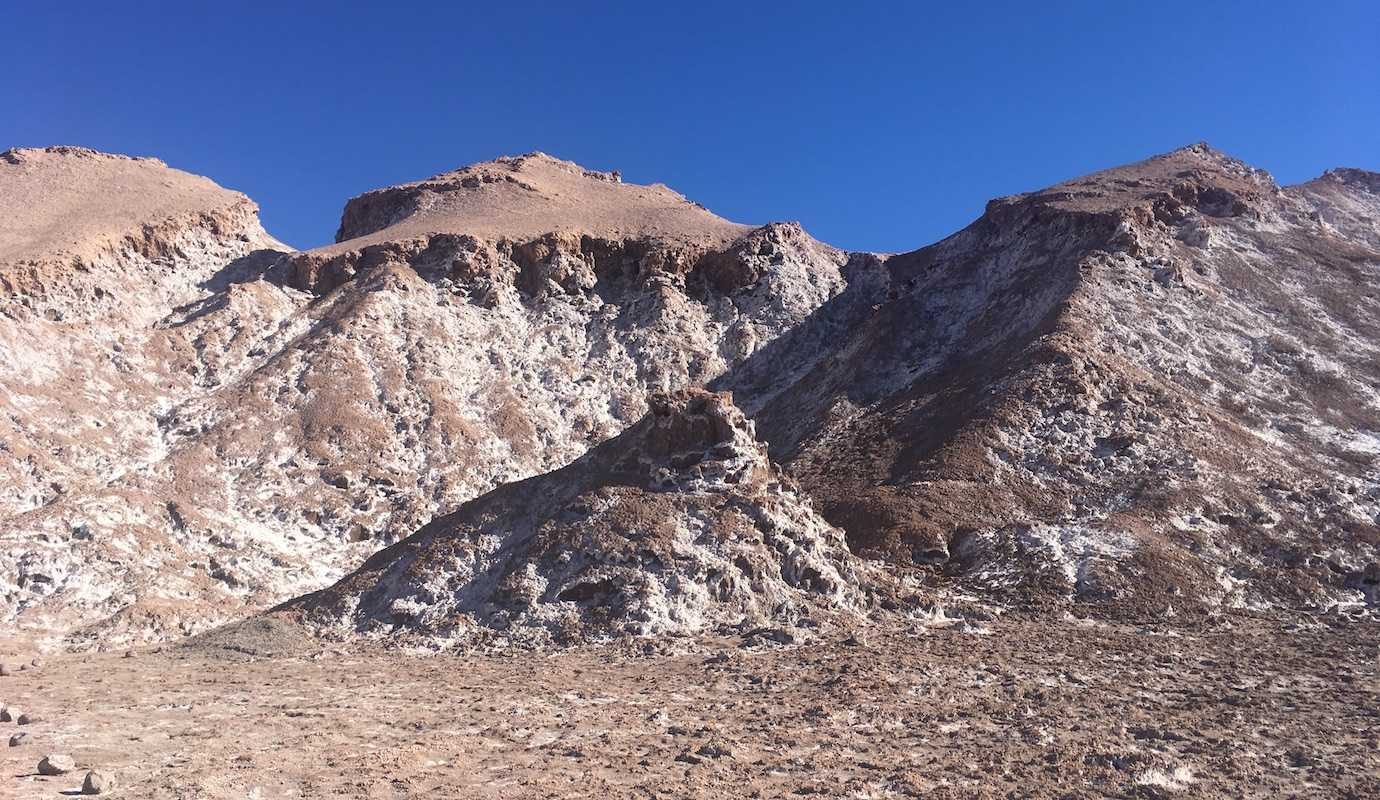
[879,126]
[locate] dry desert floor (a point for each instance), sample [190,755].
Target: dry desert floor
[1238,707]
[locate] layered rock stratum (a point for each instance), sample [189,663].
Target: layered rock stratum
[1150,392]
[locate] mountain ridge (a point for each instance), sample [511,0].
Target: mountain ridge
[1058,406]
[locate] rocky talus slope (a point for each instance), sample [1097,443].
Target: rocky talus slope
[680,525]
[1152,392]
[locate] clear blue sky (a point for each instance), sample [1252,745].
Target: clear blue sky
[879,126]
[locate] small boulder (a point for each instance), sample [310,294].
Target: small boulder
[9,714]
[6,670]
[36,662]
[28,719]
[56,764]
[19,738]
[97,783]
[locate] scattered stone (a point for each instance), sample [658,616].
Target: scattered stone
[1152,732]
[97,783]
[714,751]
[19,738]
[689,758]
[36,662]
[56,764]
[1300,758]
[28,719]
[768,635]
[6,670]
[9,714]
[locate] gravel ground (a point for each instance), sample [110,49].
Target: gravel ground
[1243,707]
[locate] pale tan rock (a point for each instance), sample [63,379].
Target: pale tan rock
[97,782]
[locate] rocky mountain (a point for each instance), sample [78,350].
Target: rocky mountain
[1153,388]
[260,421]
[1151,391]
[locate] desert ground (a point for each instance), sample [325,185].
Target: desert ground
[1238,706]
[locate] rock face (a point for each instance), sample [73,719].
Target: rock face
[1151,390]
[280,416]
[678,525]
[1154,388]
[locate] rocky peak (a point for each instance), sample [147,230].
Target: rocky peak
[533,222]
[85,232]
[1361,179]
[21,155]
[1167,188]
[693,440]
[521,197]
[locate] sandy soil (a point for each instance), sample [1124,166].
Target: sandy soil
[1241,708]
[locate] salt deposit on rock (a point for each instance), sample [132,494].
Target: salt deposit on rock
[260,421]
[677,526]
[1151,390]
[1119,389]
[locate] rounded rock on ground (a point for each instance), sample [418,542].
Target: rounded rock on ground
[36,662]
[19,738]
[28,719]
[97,782]
[9,714]
[6,669]
[56,764]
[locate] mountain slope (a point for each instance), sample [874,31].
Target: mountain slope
[302,408]
[678,525]
[1153,387]
[1148,391]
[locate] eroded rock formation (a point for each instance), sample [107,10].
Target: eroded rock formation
[1151,391]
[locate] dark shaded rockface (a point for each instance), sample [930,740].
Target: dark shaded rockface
[560,263]
[679,525]
[1153,388]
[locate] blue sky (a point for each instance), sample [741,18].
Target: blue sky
[879,126]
